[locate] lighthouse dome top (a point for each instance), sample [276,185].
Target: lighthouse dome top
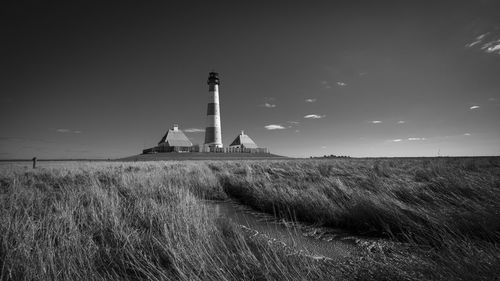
[213,78]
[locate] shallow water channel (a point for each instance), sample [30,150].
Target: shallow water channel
[302,238]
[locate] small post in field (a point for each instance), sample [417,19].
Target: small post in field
[34,162]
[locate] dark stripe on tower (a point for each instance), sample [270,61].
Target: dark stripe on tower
[212,109]
[211,88]
[209,134]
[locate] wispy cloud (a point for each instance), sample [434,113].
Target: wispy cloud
[488,42]
[401,122]
[268,105]
[310,100]
[478,40]
[274,127]
[326,84]
[409,139]
[194,130]
[474,107]
[65,131]
[376,122]
[467,134]
[341,84]
[492,47]
[293,122]
[314,116]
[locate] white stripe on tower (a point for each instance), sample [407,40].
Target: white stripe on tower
[213,132]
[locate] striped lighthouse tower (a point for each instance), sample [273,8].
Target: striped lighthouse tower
[213,133]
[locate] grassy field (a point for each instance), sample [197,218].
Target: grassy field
[144,220]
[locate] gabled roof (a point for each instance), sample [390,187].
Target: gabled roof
[244,140]
[175,137]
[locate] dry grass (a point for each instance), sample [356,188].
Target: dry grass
[144,221]
[422,201]
[449,204]
[116,222]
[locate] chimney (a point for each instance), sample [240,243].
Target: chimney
[176,128]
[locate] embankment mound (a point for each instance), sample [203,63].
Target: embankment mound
[201,156]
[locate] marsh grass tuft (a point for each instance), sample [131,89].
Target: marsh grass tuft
[129,221]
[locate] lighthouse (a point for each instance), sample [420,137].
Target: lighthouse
[213,133]
[175,141]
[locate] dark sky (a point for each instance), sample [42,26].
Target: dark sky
[96,79]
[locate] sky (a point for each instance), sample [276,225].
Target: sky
[104,79]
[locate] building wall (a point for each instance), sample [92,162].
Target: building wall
[201,148]
[238,150]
